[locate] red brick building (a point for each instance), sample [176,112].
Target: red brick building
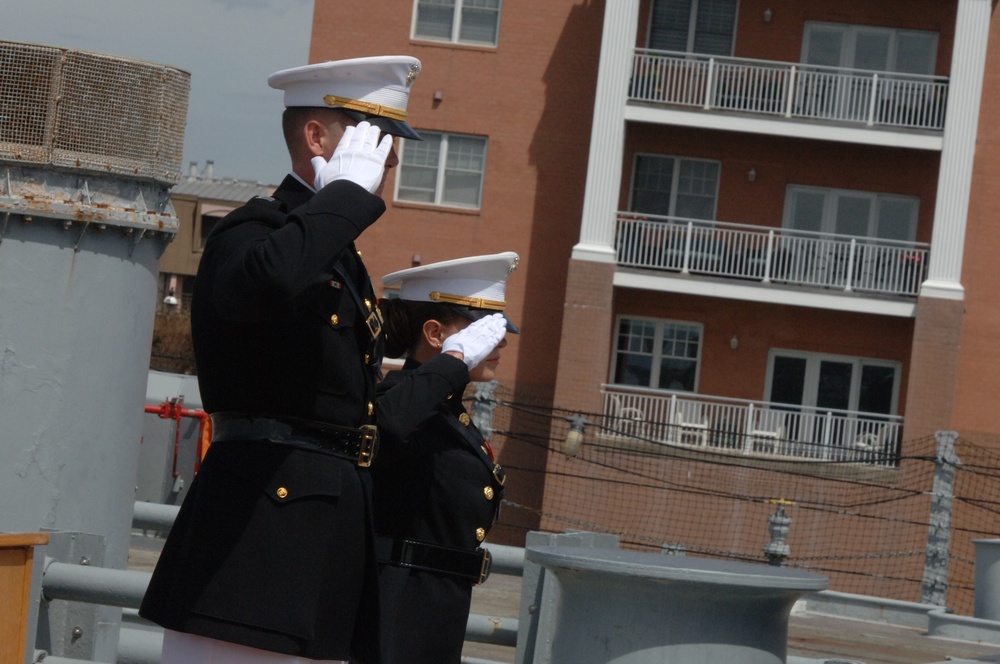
[764,227]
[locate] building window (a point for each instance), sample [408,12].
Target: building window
[693,26]
[869,48]
[654,353]
[208,222]
[675,187]
[855,213]
[833,382]
[442,169]
[208,217]
[458,21]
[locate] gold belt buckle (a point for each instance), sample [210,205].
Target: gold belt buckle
[369,444]
[498,474]
[484,569]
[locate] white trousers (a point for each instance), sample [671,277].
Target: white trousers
[180,648]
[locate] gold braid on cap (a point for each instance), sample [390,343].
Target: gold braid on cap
[474,302]
[365,107]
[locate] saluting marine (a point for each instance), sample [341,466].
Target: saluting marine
[437,485]
[271,558]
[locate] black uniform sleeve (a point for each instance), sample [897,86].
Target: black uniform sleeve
[407,399]
[265,260]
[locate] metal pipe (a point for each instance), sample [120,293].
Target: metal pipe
[507,559]
[153,516]
[93,585]
[495,631]
[139,646]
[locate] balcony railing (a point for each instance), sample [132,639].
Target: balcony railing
[766,254]
[751,428]
[790,90]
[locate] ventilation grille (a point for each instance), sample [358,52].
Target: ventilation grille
[91,111]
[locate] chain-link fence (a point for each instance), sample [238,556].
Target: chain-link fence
[903,531]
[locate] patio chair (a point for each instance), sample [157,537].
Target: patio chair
[872,446]
[694,426]
[767,441]
[625,420]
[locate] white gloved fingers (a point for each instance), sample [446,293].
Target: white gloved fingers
[345,140]
[495,328]
[371,135]
[353,137]
[358,158]
[384,148]
[478,340]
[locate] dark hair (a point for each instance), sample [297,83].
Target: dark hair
[295,117]
[404,320]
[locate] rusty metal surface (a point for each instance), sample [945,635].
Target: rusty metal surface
[42,192]
[91,111]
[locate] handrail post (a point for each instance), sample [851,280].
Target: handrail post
[747,428]
[768,256]
[872,102]
[686,260]
[710,85]
[827,430]
[849,276]
[790,91]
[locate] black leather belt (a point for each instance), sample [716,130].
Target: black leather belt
[471,565]
[357,444]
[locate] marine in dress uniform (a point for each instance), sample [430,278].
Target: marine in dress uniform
[271,558]
[437,486]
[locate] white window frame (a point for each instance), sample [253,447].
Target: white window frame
[654,376]
[456,24]
[831,198]
[811,382]
[692,28]
[442,168]
[675,181]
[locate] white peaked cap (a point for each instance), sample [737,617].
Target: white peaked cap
[478,281]
[378,87]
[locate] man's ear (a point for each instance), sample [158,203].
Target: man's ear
[434,333]
[316,136]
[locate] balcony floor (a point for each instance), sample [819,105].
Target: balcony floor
[653,113]
[774,293]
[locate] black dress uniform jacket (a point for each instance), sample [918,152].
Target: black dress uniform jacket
[435,481]
[272,547]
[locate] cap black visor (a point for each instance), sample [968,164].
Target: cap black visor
[476,314]
[387,125]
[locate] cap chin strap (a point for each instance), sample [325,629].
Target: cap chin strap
[475,302]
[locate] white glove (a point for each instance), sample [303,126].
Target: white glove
[478,340]
[359,157]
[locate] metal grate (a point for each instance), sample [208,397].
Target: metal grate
[91,111]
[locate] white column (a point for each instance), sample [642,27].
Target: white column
[607,134]
[968,63]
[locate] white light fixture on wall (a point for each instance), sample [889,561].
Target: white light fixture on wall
[734,343]
[767,15]
[752,175]
[574,437]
